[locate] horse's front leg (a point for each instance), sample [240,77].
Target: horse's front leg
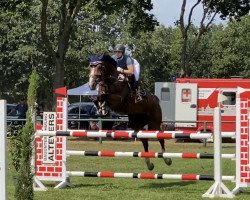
[168,161]
[100,104]
[147,160]
[102,108]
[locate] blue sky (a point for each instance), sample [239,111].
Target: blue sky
[167,11]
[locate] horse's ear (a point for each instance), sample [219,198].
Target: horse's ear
[104,57]
[89,58]
[100,56]
[94,60]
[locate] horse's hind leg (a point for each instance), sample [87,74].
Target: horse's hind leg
[168,161]
[147,160]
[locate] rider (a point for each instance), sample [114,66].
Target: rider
[125,65]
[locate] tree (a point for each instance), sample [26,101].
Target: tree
[189,51]
[24,190]
[20,47]
[232,9]
[68,15]
[231,50]
[152,50]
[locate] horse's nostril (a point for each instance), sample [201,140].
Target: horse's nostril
[92,86]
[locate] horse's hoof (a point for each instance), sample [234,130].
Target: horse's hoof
[150,166]
[168,161]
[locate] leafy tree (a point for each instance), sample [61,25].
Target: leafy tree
[232,9]
[20,46]
[188,51]
[231,50]
[24,190]
[152,50]
[69,14]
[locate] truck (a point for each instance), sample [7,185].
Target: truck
[188,103]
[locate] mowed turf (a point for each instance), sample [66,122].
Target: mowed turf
[125,188]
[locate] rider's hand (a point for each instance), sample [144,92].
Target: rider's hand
[119,69]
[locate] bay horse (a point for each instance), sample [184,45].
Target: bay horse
[116,93]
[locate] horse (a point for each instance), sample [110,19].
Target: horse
[115,92]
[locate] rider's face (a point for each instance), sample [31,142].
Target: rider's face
[118,54]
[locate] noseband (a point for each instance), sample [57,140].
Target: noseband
[97,72]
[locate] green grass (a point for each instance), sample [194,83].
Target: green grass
[122,188]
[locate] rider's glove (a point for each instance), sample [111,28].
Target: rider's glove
[119,69]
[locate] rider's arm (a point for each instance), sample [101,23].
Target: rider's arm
[130,70]
[130,66]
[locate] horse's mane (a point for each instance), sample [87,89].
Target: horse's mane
[108,59]
[104,57]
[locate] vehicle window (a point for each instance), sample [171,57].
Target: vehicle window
[165,94]
[74,110]
[93,110]
[11,110]
[85,109]
[8,109]
[231,98]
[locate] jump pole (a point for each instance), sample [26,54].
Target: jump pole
[127,134]
[187,155]
[3,146]
[241,181]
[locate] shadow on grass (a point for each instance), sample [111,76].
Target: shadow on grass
[52,185]
[102,139]
[170,184]
[90,185]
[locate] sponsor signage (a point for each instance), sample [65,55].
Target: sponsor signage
[49,142]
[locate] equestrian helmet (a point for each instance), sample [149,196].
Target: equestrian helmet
[120,47]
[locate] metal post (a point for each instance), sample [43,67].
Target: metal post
[3,157]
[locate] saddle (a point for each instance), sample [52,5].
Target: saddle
[135,91]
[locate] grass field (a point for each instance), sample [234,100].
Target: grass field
[122,188]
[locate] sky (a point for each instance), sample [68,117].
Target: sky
[168,11]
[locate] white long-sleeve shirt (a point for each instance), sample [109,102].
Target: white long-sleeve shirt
[136,69]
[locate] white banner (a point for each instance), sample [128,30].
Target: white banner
[49,142]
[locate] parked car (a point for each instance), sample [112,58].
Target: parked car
[87,110]
[12,114]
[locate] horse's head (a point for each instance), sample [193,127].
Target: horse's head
[100,68]
[96,72]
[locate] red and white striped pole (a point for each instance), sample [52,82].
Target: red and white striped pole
[146,175]
[187,155]
[126,134]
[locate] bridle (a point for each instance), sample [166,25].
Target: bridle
[97,72]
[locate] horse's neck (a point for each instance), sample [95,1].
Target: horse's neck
[112,73]
[115,87]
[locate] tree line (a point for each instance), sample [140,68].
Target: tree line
[56,37]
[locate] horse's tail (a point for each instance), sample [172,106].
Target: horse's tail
[154,97]
[157,98]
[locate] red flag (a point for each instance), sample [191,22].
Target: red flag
[61,91]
